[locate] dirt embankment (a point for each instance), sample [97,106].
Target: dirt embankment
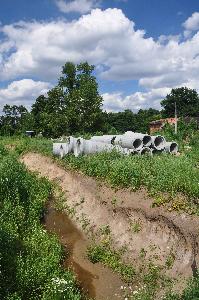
[134,225]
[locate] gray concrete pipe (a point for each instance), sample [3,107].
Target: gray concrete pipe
[129,142]
[125,140]
[146,151]
[90,147]
[71,144]
[146,139]
[158,142]
[108,139]
[60,149]
[171,147]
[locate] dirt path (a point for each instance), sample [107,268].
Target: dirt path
[133,223]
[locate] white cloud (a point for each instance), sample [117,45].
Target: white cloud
[107,39]
[191,24]
[139,100]
[78,6]
[23,92]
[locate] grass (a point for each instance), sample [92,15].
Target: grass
[166,177]
[30,259]
[112,259]
[173,181]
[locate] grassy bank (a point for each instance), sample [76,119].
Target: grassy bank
[30,259]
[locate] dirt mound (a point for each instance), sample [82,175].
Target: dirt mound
[166,237]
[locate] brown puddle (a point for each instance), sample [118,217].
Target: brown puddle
[97,281]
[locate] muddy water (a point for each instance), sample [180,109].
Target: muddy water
[97,282]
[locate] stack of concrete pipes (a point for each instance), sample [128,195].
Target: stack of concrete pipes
[127,144]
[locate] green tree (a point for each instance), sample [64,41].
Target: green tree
[49,113]
[187,102]
[81,97]
[144,117]
[127,120]
[12,119]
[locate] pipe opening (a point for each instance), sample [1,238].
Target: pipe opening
[159,142]
[137,143]
[78,148]
[147,140]
[146,151]
[173,148]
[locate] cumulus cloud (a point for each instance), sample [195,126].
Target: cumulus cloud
[192,23]
[78,6]
[106,38]
[139,100]
[23,92]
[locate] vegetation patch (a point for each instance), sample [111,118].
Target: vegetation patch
[112,259]
[30,259]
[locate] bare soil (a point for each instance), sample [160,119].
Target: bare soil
[161,234]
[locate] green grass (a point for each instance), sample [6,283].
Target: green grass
[166,177]
[112,259]
[30,259]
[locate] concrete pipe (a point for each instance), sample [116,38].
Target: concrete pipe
[146,139]
[71,144]
[171,147]
[108,139]
[60,149]
[158,142]
[146,151]
[129,142]
[90,147]
[78,147]
[155,151]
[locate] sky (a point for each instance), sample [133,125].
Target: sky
[141,48]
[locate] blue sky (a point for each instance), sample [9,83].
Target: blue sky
[141,48]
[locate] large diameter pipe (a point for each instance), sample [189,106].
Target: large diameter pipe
[71,144]
[158,142]
[60,149]
[146,151]
[129,142]
[108,139]
[171,147]
[146,139]
[90,147]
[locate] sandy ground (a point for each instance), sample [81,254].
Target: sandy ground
[161,234]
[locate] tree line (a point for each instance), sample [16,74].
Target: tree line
[74,105]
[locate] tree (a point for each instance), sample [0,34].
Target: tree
[187,102]
[74,105]
[122,121]
[144,117]
[127,120]
[49,113]
[12,120]
[81,97]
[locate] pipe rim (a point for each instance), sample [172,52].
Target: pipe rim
[147,140]
[159,142]
[137,144]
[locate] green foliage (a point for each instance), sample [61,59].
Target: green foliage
[112,259]
[187,102]
[127,120]
[163,173]
[74,105]
[29,257]
[13,119]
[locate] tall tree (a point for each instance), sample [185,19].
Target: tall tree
[82,99]
[187,102]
